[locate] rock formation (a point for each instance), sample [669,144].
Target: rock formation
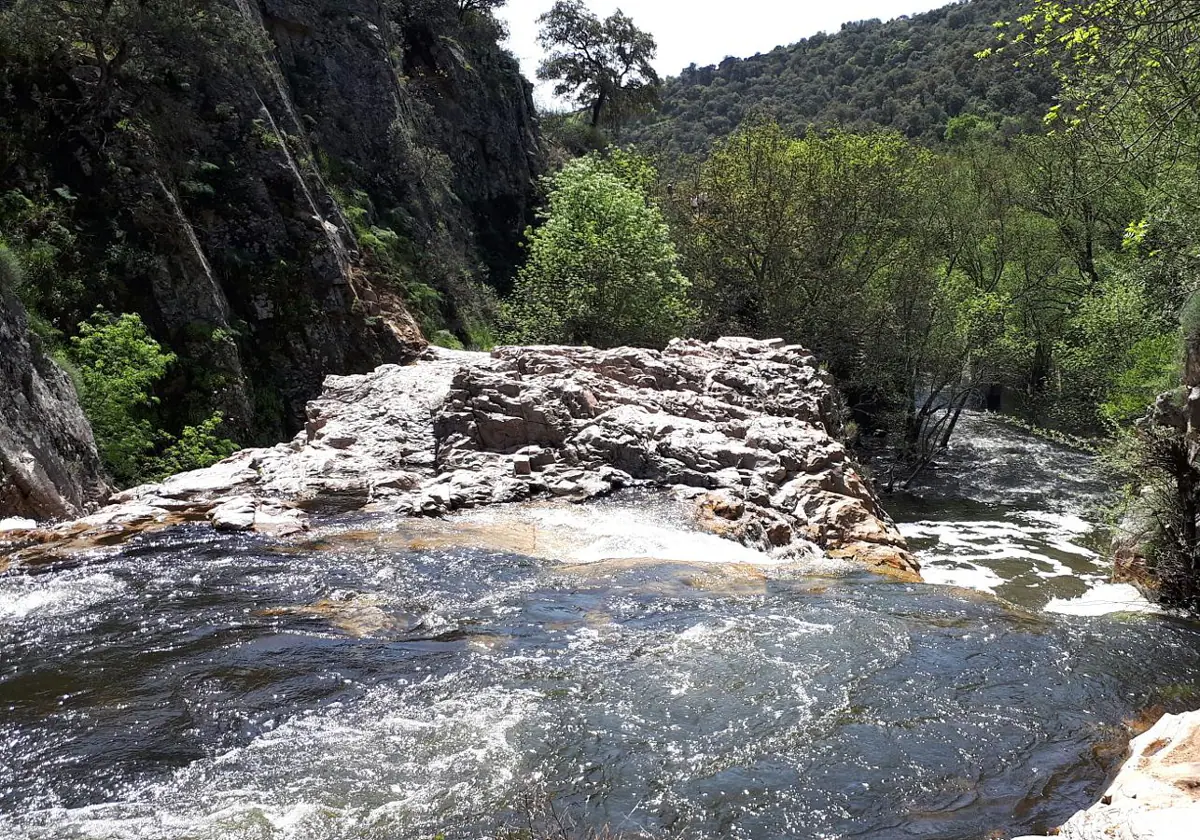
[743,430]
[49,468]
[1156,795]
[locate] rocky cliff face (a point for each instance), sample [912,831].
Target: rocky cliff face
[742,431]
[296,203]
[48,463]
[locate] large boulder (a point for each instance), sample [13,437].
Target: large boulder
[49,468]
[743,431]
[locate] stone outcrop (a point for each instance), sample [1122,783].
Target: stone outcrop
[742,430]
[1156,794]
[49,468]
[1152,547]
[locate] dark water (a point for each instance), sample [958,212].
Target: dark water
[390,685]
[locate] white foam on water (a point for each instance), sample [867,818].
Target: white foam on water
[392,764]
[16,523]
[963,575]
[1104,599]
[988,554]
[1068,522]
[53,596]
[596,533]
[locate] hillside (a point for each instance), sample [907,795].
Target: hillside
[912,74]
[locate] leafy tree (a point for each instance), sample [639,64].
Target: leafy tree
[1118,61]
[604,64]
[465,6]
[814,239]
[602,269]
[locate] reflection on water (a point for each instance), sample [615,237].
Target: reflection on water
[395,680]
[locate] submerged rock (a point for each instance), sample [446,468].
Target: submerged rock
[743,430]
[1156,795]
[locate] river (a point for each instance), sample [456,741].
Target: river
[389,679]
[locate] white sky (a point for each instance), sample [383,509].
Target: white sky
[706,31]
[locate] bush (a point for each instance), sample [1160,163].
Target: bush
[1189,318]
[11,273]
[195,448]
[602,269]
[447,339]
[118,364]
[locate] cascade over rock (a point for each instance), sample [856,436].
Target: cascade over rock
[49,467]
[742,430]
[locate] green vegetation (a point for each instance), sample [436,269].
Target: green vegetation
[967,251]
[116,365]
[196,447]
[913,75]
[602,269]
[11,273]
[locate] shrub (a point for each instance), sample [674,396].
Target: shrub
[1189,318]
[195,448]
[11,273]
[119,363]
[447,339]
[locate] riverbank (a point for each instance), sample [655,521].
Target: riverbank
[1156,794]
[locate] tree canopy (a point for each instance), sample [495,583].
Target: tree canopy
[602,269]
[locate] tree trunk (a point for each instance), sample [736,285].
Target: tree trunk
[598,107]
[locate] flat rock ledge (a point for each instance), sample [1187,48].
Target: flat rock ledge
[1156,794]
[742,430]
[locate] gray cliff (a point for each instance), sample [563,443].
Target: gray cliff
[316,201]
[49,468]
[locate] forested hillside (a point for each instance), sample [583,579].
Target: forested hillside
[208,207]
[912,75]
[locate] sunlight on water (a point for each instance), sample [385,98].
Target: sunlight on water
[48,597]
[652,527]
[384,679]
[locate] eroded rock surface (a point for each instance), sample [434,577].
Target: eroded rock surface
[741,429]
[49,467]
[1156,795]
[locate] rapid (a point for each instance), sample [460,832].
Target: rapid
[384,678]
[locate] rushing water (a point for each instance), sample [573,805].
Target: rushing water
[391,679]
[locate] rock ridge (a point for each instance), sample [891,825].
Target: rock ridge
[743,431]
